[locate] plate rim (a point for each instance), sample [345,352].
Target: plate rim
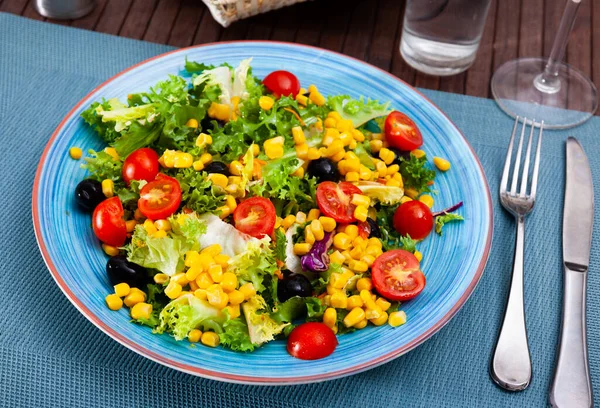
[235,378]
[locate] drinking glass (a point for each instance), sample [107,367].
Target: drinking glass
[441,37]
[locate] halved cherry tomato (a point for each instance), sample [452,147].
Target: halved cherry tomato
[334,200]
[397,276]
[108,222]
[160,198]
[401,132]
[311,341]
[142,164]
[255,216]
[364,229]
[413,218]
[282,83]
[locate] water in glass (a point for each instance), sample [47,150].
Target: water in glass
[441,37]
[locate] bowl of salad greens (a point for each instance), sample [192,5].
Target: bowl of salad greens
[262,213]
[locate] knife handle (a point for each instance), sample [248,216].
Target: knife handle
[572,386]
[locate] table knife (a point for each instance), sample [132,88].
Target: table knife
[571,386]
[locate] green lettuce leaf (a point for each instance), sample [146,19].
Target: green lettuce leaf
[441,220]
[416,173]
[280,245]
[235,335]
[261,327]
[388,195]
[106,130]
[357,110]
[186,313]
[197,191]
[102,166]
[253,264]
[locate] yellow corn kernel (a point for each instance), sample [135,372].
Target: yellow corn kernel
[327,300]
[331,290]
[412,193]
[339,300]
[360,242]
[299,172]
[274,147]
[161,278]
[229,281]
[219,111]
[358,135]
[110,250]
[352,231]
[373,313]
[75,153]
[418,153]
[191,258]
[221,259]
[362,324]
[138,216]
[330,123]
[354,301]
[298,135]
[194,336]
[141,311]
[360,213]
[387,155]
[365,295]
[374,242]
[233,190]
[364,172]
[335,147]
[344,125]
[309,237]
[192,273]
[134,297]
[317,98]
[193,286]
[342,241]
[206,158]
[313,154]
[111,151]
[113,302]
[418,255]
[356,253]
[224,212]
[319,124]
[313,214]
[234,311]
[216,273]
[210,339]
[173,290]
[180,278]
[230,202]
[130,225]
[302,151]
[381,168]
[376,145]
[300,217]
[216,296]
[247,290]
[236,168]
[337,281]
[218,179]
[162,225]
[373,251]
[352,176]
[200,294]
[204,281]
[235,101]
[405,199]
[345,138]
[265,102]
[358,266]
[397,318]
[368,259]
[302,100]
[122,289]
[335,115]
[302,249]
[337,157]
[108,188]
[337,258]
[236,297]
[255,149]
[360,199]
[317,230]
[364,284]
[393,169]
[193,123]
[330,317]
[328,223]
[183,160]
[288,221]
[383,304]
[427,200]
[159,234]
[381,320]
[203,139]
[392,183]
[355,316]
[198,165]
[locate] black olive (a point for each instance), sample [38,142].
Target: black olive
[400,155]
[119,269]
[88,194]
[324,170]
[375,231]
[293,285]
[217,167]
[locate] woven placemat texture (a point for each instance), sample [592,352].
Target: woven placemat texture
[50,355]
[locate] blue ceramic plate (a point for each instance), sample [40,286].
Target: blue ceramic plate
[453,264]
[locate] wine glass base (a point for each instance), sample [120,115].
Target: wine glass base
[564,101]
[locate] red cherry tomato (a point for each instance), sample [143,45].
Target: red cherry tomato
[141,165]
[401,132]
[311,341]
[282,83]
[160,198]
[397,276]
[108,222]
[255,216]
[334,200]
[364,229]
[413,218]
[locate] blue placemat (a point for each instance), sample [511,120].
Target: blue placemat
[50,355]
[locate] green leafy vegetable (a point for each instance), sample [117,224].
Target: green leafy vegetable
[357,110]
[158,300]
[186,313]
[261,327]
[195,67]
[254,263]
[235,335]
[441,220]
[280,245]
[106,130]
[389,237]
[364,156]
[197,191]
[408,243]
[416,174]
[102,166]
[388,195]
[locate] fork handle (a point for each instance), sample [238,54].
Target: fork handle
[572,386]
[510,367]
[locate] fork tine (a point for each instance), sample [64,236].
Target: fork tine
[536,165]
[513,187]
[526,164]
[506,171]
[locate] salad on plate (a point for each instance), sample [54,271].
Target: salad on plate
[236,211]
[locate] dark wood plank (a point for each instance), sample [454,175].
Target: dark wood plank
[208,31]
[236,31]
[427,81]
[138,18]
[261,26]
[310,29]
[596,45]
[387,28]
[113,16]
[359,35]
[399,67]
[506,42]
[13,6]
[286,25]
[90,21]
[31,12]
[553,11]
[531,28]
[162,21]
[479,75]
[454,83]
[186,23]
[335,28]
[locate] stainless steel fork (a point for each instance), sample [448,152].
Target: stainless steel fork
[510,367]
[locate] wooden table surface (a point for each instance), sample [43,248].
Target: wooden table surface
[367,29]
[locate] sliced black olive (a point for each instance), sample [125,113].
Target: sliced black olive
[119,269]
[217,167]
[88,194]
[400,155]
[324,170]
[375,231]
[293,285]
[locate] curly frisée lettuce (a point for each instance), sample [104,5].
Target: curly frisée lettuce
[256,261]
[186,313]
[261,326]
[358,111]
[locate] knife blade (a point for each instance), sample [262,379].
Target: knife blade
[578,216]
[571,386]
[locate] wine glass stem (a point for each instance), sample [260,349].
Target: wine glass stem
[548,81]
